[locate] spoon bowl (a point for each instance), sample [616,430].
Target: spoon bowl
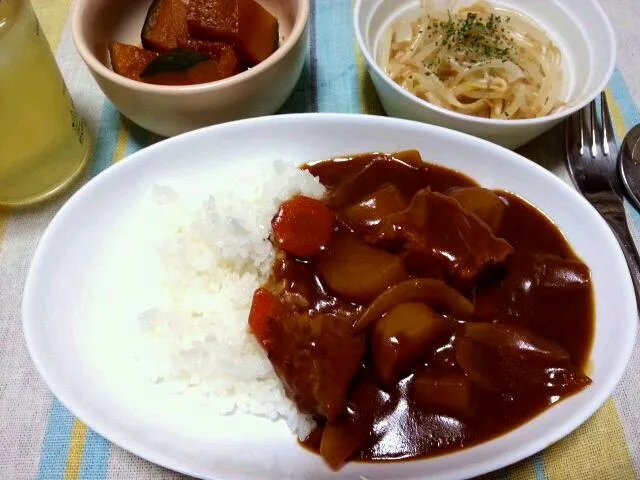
[629,165]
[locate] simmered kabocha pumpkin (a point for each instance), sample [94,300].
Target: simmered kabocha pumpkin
[165,27]
[244,23]
[197,41]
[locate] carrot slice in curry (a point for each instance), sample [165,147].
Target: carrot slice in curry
[303,226]
[263,306]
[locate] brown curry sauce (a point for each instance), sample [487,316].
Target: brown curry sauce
[539,285]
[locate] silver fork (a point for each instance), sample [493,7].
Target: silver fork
[592,157]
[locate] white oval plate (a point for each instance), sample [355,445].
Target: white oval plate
[64,286]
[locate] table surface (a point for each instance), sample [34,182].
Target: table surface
[40,439]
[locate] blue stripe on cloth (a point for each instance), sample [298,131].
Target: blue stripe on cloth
[337,82]
[107,139]
[95,457]
[628,108]
[538,466]
[55,447]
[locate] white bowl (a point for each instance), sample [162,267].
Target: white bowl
[579,27]
[64,290]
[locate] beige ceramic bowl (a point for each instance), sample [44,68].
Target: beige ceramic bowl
[170,110]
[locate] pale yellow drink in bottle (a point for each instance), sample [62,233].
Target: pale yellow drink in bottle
[43,143]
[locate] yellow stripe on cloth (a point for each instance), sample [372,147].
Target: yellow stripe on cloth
[76,449]
[616,114]
[498,475]
[121,144]
[4,219]
[53,17]
[596,450]
[369,101]
[524,470]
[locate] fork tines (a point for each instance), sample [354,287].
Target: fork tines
[591,148]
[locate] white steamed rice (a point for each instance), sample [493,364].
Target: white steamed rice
[213,260]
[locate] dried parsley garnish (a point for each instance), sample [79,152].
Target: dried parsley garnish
[473,38]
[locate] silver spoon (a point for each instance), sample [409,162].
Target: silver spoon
[629,165]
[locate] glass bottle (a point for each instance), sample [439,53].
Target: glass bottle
[44,144]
